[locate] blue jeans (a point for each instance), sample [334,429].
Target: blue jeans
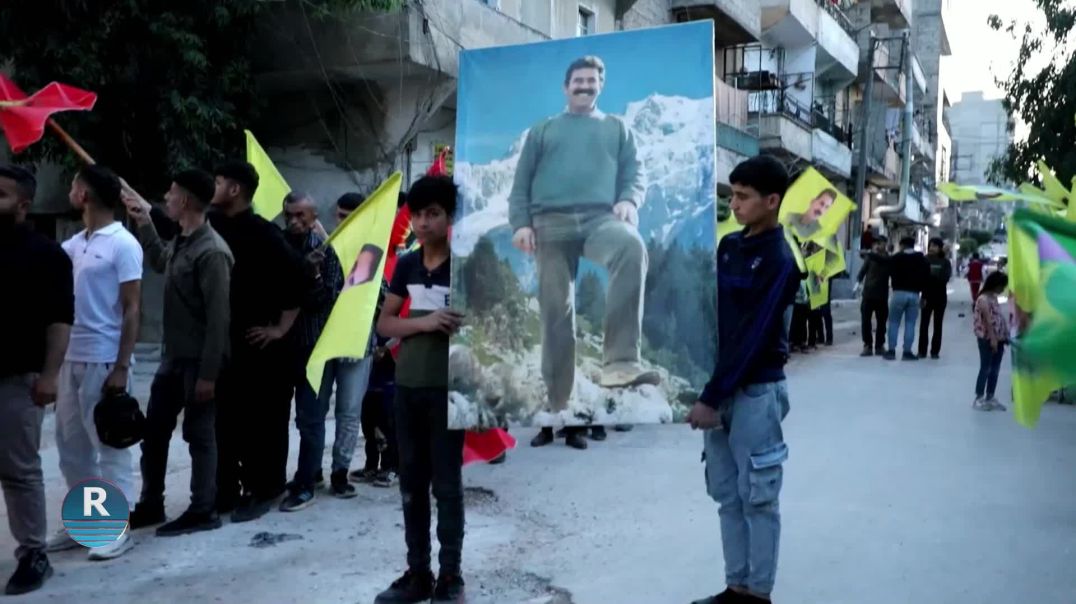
[351,377]
[903,304]
[743,475]
[989,368]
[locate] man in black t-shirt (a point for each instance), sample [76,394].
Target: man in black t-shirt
[38,305]
[255,390]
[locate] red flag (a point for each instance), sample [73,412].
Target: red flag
[439,167]
[487,445]
[23,118]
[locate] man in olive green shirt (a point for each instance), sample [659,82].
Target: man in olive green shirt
[576,194]
[197,266]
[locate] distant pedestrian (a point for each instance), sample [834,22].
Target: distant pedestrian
[908,273]
[975,275]
[37,309]
[801,319]
[992,331]
[743,404]
[935,298]
[873,278]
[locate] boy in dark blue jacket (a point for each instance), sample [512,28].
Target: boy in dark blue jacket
[742,406]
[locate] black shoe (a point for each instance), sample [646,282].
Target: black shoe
[449,589]
[726,597]
[867,351]
[33,570]
[576,438]
[496,461]
[935,357]
[623,427]
[340,487]
[190,522]
[890,355]
[909,356]
[297,500]
[829,342]
[145,514]
[543,438]
[365,475]
[250,508]
[411,588]
[385,479]
[598,433]
[226,505]
[879,351]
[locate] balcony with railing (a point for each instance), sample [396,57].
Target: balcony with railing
[896,13]
[784,115]
[734,127]
[831,137]
[735,21]
[837,58]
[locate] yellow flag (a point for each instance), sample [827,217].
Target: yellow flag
[813,209]
[269,198]
[360,242]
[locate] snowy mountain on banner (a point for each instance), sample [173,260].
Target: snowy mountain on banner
[675,136]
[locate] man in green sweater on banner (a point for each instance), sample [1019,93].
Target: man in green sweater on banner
[577,191]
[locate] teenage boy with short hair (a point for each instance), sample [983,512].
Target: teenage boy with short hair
[742,406]
[430,453]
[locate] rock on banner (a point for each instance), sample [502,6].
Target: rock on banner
[359,242]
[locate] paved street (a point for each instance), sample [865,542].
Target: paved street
[896,492]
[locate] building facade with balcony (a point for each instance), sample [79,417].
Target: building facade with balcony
[353,97]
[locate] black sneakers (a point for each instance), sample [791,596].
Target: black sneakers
[299,499]
[363,475]
[909,356]
[412,588]
[543,438]
[598,433]
[732,597]
[576,438]
[890,355]
[250,508]
[340,487]
[867,351]
[190,522]
[146,514]
[33,570]
[449,589]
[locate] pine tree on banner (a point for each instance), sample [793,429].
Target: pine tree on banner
[1042,256]
[477,446]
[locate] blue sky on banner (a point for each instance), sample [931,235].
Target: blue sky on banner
[505,90]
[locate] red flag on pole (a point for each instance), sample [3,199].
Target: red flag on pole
[23,118]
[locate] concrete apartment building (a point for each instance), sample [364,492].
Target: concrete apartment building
[982,131]
[351,98]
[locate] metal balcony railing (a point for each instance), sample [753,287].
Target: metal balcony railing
[834,9]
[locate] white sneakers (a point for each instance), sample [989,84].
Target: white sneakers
[60,541]
[988,404]
[115,549]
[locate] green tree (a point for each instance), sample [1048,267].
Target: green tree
[1044,99]
[173,79]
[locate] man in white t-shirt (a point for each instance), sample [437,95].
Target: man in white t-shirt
[107,263]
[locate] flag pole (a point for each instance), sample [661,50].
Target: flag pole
[70,142]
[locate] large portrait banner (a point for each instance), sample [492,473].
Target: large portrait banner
[584,243]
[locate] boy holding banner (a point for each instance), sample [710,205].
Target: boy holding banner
[742,406]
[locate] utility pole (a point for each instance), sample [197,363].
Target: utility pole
[864,138]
